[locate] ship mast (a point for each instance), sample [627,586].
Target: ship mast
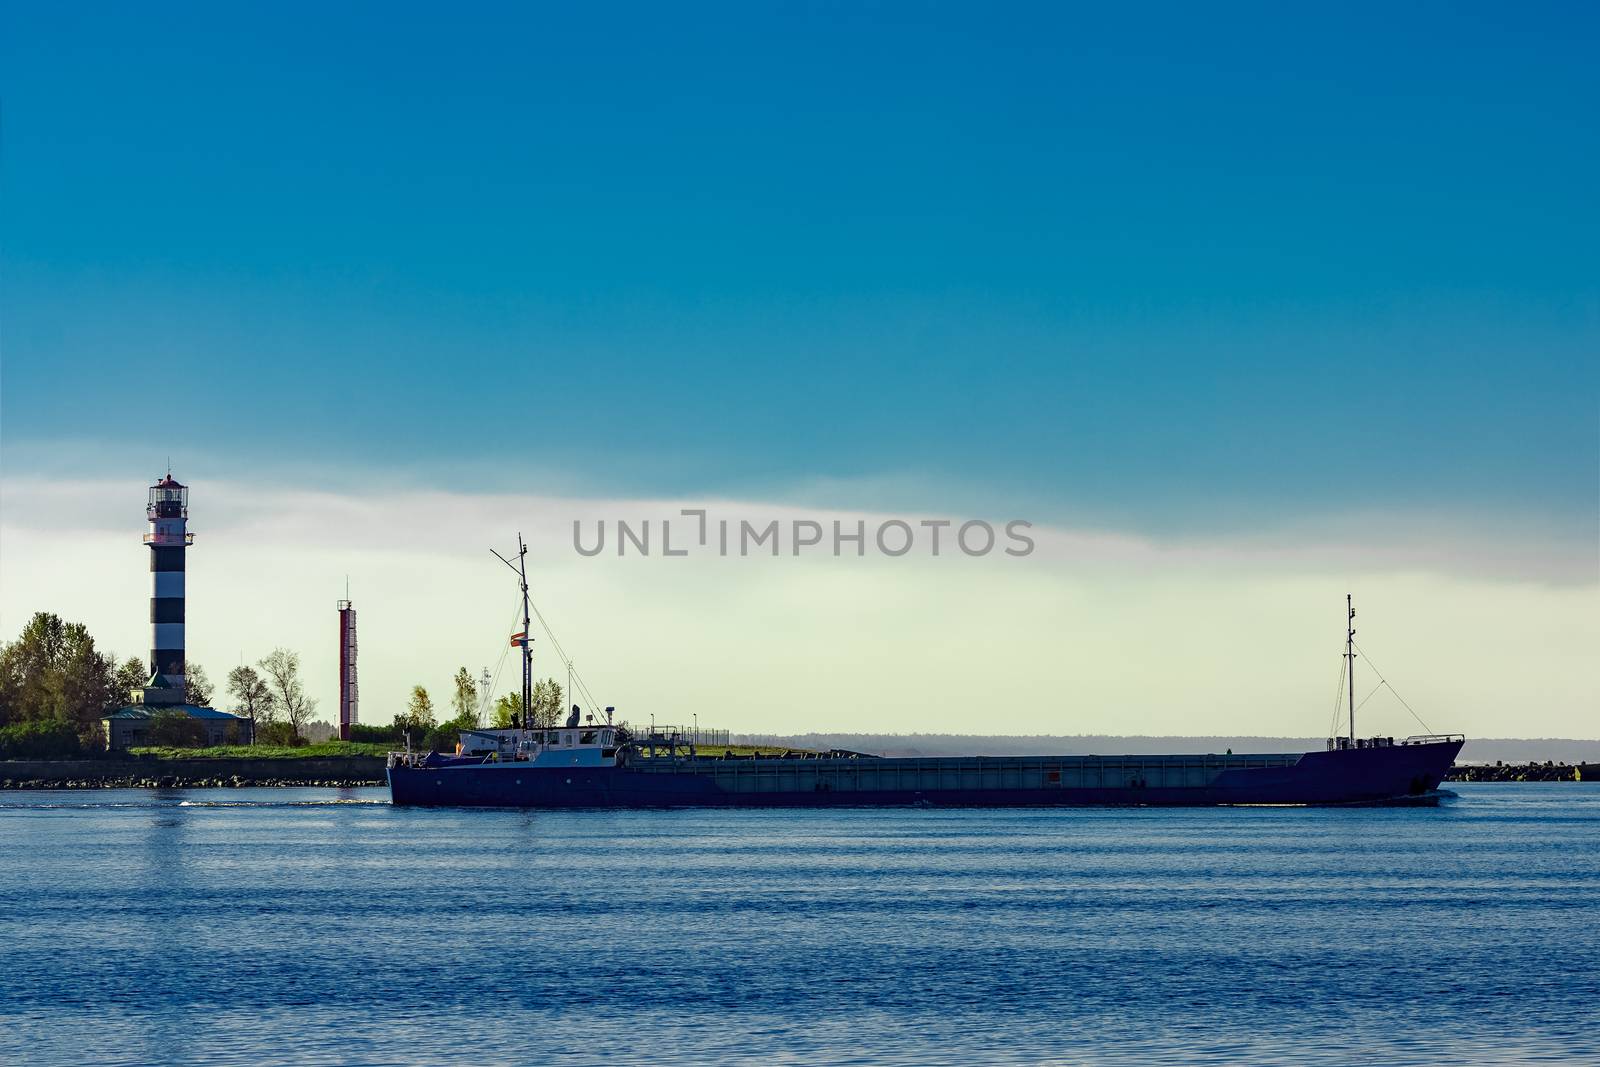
[521,567]
[1350,663]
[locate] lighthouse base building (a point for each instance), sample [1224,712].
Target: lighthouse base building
[129,727]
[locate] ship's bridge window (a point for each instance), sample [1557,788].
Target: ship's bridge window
[569,740]
[587,738]
[551,739]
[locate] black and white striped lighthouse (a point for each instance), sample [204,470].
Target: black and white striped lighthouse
[168,539]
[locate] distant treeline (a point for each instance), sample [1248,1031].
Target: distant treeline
[1477,750]
[55,684]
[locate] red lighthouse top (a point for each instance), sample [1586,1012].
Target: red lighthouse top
[169,499]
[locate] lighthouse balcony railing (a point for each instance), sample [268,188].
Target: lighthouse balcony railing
[157,539]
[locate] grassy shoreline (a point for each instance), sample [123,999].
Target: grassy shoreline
[321,750]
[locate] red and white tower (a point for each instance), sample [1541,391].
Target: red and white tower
[347,668]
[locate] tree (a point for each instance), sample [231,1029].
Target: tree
[197,687]
[465,701]
[53,671]
[47,739]
[419,713]
[504,709]
[278,734]
[319,731]
[282,669]
[252,697]
[88,683]
[548,707]
[133,674]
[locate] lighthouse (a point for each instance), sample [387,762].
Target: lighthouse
[165,696]
[169,539]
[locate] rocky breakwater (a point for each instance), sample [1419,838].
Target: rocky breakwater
[334,772]
[1548,771]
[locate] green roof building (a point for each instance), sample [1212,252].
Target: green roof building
[130,726]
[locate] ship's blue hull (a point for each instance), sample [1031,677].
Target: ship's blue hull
[1399,773]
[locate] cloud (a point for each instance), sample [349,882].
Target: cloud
[1096,631]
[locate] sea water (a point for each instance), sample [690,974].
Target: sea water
[249,926]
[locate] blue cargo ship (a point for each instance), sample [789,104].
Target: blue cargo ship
[604,765]
[596,767]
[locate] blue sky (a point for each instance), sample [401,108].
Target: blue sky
[1173,267]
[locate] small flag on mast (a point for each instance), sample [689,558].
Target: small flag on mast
[519,639]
